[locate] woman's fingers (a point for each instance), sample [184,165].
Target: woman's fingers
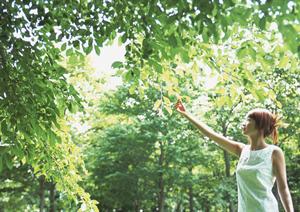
[179,106]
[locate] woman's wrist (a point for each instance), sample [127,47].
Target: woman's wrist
[186,113]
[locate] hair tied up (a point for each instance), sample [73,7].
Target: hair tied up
[276,123]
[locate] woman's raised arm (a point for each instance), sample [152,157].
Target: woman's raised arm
[229,145]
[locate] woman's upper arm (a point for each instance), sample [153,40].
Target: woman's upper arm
[279,168]
[228,144]
[240,147]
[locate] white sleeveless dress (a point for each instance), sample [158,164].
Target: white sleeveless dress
[255,180]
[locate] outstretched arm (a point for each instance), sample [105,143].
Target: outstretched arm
[227,144]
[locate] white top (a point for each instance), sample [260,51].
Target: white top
[255,180]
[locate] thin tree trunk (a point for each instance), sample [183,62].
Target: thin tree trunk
[227,163]
[52,197]
[206,208]
[136,205]
[178,207]
[161,196]
[42,192]
[227,170]
[191,196]
[227,173]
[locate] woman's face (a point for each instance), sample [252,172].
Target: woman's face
[248,127]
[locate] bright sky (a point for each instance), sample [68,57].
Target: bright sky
[115,52]
[102,63]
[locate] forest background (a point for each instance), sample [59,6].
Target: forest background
[68,142]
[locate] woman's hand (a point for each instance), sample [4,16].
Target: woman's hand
[180,107]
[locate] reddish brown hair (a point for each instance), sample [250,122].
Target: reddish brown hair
[265,121]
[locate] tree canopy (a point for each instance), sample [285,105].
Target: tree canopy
[252,46]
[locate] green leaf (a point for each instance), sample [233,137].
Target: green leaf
[97,50]
[260,94]
[52,138]
[23,160]
[9,162]
[157,104]
[132,89]
[166,100]
[242,53]
[283,62]
[289,35]
[262,23]
[220,101]
[69,52]
[246,51]
[168,108]
[18,152]
[172,41]
[205,35]
[4,127]
[63,47]
[156,65]
[120,41]
[185,56]
[88,49]
[252,52]
[278,104]
[117,64]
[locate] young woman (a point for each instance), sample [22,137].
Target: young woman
[259,163]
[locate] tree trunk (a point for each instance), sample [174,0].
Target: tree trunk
[136,205]
[207,208]
[178,207]
[227,173]
[42,192]
[161,195]
[227,170]
[52,197]
[191,196]
[227,163]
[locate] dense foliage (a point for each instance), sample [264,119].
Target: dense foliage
[171,47]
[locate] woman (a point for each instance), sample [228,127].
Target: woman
[259,163]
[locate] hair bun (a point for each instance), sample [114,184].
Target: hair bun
[276,122]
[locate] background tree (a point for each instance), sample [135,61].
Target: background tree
[165,42]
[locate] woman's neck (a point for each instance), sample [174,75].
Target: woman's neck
[257,142]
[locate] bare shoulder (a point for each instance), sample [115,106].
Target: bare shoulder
[277,155]
[278,161]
